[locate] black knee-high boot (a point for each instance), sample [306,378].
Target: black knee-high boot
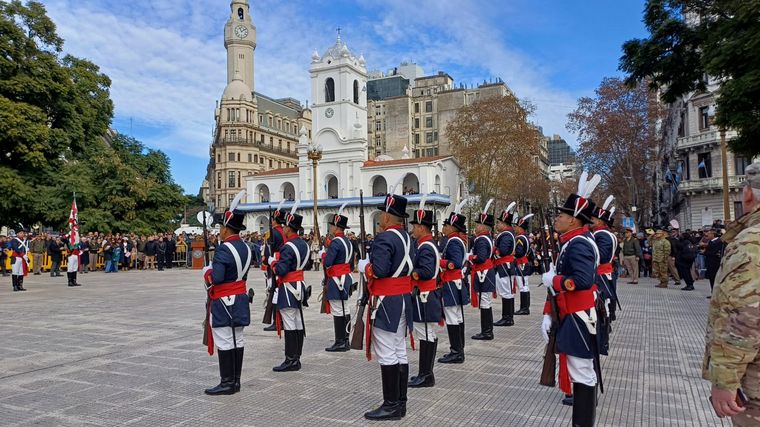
[226,372]
[524,303]
[239,353]
[507,311]
[584,405]
[486,325]
[14,281]
[391,407]
[291,362]
[456,355]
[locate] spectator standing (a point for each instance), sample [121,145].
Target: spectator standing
[37,248]
[141,253]
[84,255]
[646,252]
[171,249]
[126,248]
[732,353]
[107,255]
[631,255]
[55,251]
[95,250]
[150,253]
[116,257]
[3,255]
[687,252]
[713,253]
[161,253]
[660,256]
[674,245]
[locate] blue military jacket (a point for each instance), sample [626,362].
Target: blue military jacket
[454,253]
[18,246]
[505,246]
[576,272]
[340,251]
[482,249]
[392,254]
[522,246]
[226,268]
[426,306]
[294,255]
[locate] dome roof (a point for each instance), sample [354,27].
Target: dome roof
[237,90]
[338,50]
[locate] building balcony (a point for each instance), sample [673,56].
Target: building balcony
[263,147]
[705,139]
[710,185]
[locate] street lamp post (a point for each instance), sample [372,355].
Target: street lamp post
[724,165]
[314,154]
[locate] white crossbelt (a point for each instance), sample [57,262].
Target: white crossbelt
[349,251]
[300,265]
[424,295]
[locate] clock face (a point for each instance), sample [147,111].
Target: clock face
[329,112]
[241,31]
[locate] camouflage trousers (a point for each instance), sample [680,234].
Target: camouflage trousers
[660,270]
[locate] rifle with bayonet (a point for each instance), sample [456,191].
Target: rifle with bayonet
[206,264]
[269,308]
[325,281]
[357,334]
[549,369]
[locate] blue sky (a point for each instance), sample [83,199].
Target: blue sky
[168,64]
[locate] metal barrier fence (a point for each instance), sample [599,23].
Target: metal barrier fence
[181,258]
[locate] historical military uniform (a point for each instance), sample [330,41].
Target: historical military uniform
[732,360]
[504,258]
[573,282]
[272,249]
[227,309]
[19,261]
[454,292]
[337,264]
[427,310]
[388,271]
[292,294]
[607,243]
[72,265]
[522,268]
[483,275]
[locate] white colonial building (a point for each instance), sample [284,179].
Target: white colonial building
[339,129]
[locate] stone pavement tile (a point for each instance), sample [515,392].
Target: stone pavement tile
[88,408]
[60,420]
[14,415]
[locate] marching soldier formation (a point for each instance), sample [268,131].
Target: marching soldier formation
[414,286]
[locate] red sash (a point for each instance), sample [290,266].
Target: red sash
[214,293]
[571,302]
[522,260]
[604,268]
[386,286]
[506,259]
[451,275]
[425,285]
[293,276]
[338,270]
[474,297]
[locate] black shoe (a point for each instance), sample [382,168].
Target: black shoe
[239,353]
[291,363]
[568,400]
[687,288]
[36,274]
[271,328]
[507,311]
[391,407]
[486,325]
[403,384]
[524,304]
[227,372]
[456,355]
[20,283]
[584,405]
[14,282]
[425,377]
[341,341]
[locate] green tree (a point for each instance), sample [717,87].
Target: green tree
[690,39]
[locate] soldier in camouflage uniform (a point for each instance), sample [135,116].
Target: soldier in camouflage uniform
[660,255]
[732,354]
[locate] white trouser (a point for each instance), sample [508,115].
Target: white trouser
[419,331]
[223,336]
[581,370]
[390,347]
[17,269]
[504,286]
[291,319]
[453,315]
[522,283]
[339,309]
[485,300]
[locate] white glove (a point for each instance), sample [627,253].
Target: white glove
[271,260]
[321,253]
[548,278]
[546,325]
[362,265]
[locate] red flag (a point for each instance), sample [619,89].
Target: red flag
[73,225]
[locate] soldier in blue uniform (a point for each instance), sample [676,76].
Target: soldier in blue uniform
[576,293]
[278,238]
[483,273]
[337,264]
[19,259]
[388,269]
[292,293]
[454,292]
[504,258]
[228,310]
[607,243]
[522,268]
[426,303]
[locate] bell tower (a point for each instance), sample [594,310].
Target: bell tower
[240,42]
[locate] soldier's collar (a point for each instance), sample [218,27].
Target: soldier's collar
[395,226]
[233,237]
[425,238]
[564,238]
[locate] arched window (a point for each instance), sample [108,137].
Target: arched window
[329,90]
[240,13]
[332,187]
[288,191]
[411,184]
[437,184]
[356,91]
[379,186]
[262,191]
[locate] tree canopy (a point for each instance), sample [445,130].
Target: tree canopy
[691,39]
[55,112]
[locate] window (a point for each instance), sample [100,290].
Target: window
[378,125]
[416,123]
[219,158]
[682,125]
[356,91]
[218,180]
[231,157]
[238,182]
[271,141]
[238,157]
[288,146]
[416,139]
[428,106]
[686,169]
[329,90]
[704,165]
[740,165]
[704,118]
[261,118]
[270,121]
[435,136]
[255,158]
[428,137]
[261,160]
[240,13]
[250,157]
[270,163]
[262,138]
[429,121]
[231,179]
[416,107]
[378,142]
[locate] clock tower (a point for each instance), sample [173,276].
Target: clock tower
[240,42]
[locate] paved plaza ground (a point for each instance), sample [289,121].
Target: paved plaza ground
[126,349]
